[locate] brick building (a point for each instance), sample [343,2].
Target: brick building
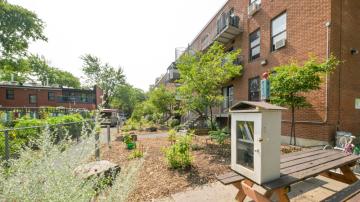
[33,95]
[273,32]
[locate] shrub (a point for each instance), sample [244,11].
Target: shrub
[220,136]
[172,136]
[61,131]
[173,123]
[137,153]
[48,173]
[178,155]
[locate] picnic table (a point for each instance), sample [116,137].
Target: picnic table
[296,167]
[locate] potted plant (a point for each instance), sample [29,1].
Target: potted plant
[128,140]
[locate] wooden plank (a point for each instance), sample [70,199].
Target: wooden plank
[231,180]
[226,175]
[252,193]
[306,159]
[286,180]
[310,164]
[300,155]
[354,198]
[302,151]
[337,176]
[344,194]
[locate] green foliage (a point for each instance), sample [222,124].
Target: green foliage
[67,129]
[291,81]
[203,74]
[172,136]
[137,153]
[45,73]
[173,123]
[18,26]
[179,155]
[26,135]
[105,76]
[47,174]
[128,139]
[33,68]
[126,97]
[220,136]
[162,99]
[20,138]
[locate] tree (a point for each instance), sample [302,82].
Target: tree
[17,69]
[103,75]
[17,27]
[163,99]
[34,68]
[291,81]
[51,75]
[203,74]
[126,97]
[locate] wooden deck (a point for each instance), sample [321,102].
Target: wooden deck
[298,166]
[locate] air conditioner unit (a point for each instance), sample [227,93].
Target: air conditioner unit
[280,43]
[253,8]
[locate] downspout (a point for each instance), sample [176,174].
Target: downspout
[328,24]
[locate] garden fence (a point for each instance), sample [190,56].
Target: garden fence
[76,133]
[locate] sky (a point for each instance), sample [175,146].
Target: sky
[138,35]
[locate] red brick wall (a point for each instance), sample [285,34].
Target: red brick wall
[21,98]
[306,33]
[345,82]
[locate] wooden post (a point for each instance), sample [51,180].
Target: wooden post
[118,126]
[97,146]
[7,146]
[108,136]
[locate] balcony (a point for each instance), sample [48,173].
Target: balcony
[173,73]
[228,27]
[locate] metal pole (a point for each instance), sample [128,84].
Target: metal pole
[108,136]
[97,146]
[7,146]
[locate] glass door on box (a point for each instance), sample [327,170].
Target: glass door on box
[245,144]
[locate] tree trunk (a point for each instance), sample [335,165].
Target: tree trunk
[292,133]
[211,119]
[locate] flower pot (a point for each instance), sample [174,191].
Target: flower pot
[130,145]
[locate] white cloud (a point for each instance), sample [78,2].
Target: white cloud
[139,36]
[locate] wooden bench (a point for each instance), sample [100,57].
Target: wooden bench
[349,194]
[296,167]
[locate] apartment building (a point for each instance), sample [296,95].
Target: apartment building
[13,95]
[273,32]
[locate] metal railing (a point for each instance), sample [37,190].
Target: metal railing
[60,130]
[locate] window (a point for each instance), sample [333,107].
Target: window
[51,96]
[278,30]
[228,93]
[254,50]
[32,99]
[254,89]
[10,94]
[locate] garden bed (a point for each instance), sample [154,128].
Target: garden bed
[156,180]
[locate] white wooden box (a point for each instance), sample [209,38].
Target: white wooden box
[255,140]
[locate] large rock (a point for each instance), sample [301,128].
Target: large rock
[97,168]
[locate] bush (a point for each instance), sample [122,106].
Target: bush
[20,138]
[172,136]
[137,153]
[220,136]
[173,123]
[60,131]
[178,155]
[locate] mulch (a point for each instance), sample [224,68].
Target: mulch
[157,180]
